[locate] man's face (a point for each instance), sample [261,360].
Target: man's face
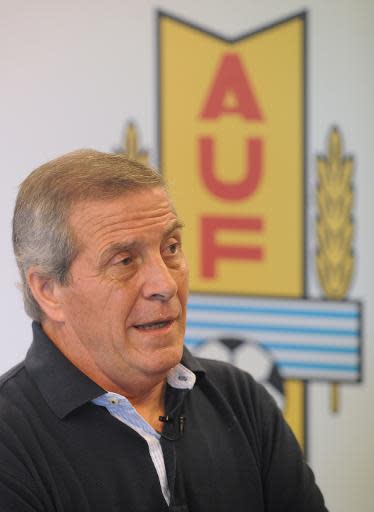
[125,307]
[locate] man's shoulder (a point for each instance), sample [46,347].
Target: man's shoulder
[239,388]
[15,386]
[11,375]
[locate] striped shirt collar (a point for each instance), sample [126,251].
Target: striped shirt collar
[181,377]
[178,377]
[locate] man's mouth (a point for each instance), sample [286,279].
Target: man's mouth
[154,325]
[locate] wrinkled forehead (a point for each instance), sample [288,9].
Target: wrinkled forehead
[132,210]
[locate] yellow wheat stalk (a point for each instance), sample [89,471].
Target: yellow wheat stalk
[334,222]
[130,146]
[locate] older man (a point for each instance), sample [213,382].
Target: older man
[108,411]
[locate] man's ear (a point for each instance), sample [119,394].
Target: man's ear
[46,292]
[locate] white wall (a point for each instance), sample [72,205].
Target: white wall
[74,71]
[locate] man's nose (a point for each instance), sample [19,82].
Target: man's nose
[158,282]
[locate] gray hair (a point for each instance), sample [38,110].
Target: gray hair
[42,236]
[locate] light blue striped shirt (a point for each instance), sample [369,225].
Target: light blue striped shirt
[119,406]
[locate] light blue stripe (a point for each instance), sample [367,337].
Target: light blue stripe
[272,311]
[193,341]
[318,366]
[272,328]
[309,348]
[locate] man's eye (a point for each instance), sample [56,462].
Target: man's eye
[125,261]
[173,248]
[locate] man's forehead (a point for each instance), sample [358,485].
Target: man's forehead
[126,201]
[132,210]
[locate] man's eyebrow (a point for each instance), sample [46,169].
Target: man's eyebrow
[177,224]
[114,249]
[127,246]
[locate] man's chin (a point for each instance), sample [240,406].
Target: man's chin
[163,359]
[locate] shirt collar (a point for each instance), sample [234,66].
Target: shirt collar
[181,377]
[63,386]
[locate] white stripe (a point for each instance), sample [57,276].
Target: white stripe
[304,373]
[315,357]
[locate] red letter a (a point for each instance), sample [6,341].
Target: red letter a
[231,78]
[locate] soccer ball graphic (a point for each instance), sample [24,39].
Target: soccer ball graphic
[248,355]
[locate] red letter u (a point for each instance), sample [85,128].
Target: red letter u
[231,191]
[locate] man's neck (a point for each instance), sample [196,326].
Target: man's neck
[151,405]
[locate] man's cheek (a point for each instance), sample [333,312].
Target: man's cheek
[184,284]
[108,296]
